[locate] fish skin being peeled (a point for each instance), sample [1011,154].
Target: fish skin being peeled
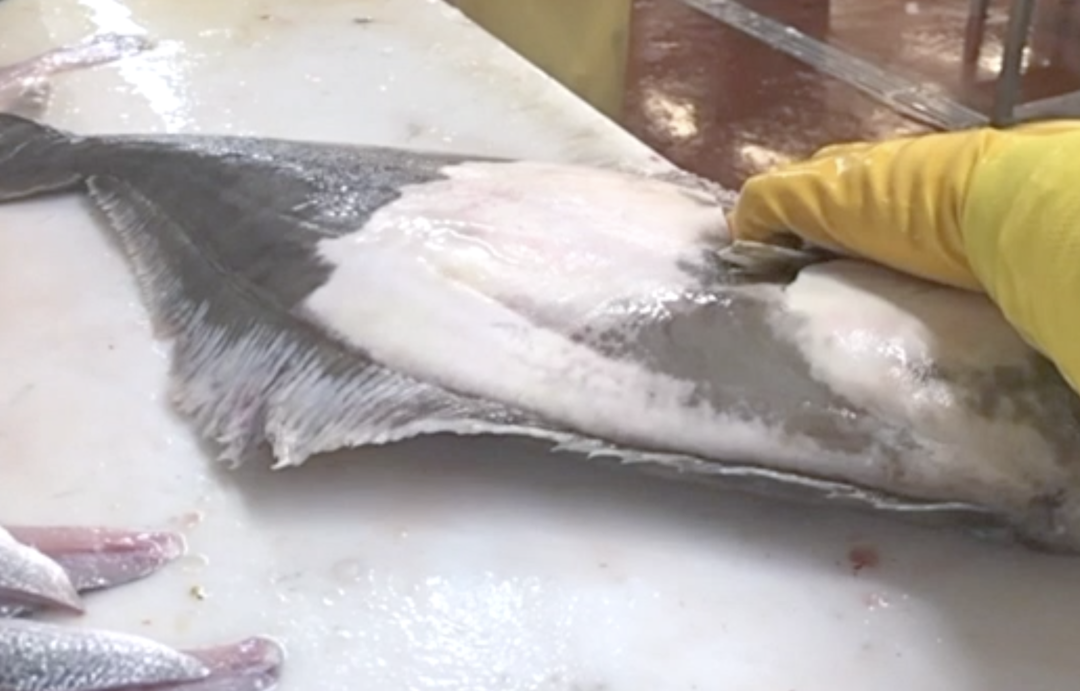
[321,296]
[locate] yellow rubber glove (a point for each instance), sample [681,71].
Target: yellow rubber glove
[986,210]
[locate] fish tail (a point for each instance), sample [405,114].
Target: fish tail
[34,159]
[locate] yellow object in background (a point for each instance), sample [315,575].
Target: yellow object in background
[580,43]
[990,210]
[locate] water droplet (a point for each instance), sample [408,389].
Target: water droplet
[347,571]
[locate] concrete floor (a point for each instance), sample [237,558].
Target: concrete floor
[726,106]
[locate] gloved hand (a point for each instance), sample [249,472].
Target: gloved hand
[985,210]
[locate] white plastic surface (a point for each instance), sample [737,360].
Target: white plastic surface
[463,564]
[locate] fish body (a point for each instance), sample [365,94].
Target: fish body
[45,568]
[322,296]
[25,85]
[29,577]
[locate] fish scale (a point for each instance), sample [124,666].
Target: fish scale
[43,657]
[27,577]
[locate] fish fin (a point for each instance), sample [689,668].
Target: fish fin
[246,372]
[102,558]
[34,158]
[80,559]
[254,664]
[807,490]
[96,50]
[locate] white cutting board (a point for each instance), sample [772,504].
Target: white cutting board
[461,564]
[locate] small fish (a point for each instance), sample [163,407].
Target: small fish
[51,567]
[47,657]
[40,657]
[28,578]
[321,296]
[45,568]
[25,87]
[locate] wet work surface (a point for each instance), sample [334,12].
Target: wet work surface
[463,564]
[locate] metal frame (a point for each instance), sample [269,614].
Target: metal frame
[909,97]
[1007,89]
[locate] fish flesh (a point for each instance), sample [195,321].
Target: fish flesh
[320,296]
[52,568]
[25,86]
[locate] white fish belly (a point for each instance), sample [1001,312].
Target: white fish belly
[489,283]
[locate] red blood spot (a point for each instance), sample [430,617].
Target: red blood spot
[863,557]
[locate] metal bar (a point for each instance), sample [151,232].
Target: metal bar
[974,33]
[1060,106]
[1008,83]
[908,97]
[1062,25]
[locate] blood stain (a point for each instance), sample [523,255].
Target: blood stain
[863,557]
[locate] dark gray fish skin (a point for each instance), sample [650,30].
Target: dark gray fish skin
[224,236]
[236,350]
[25,88]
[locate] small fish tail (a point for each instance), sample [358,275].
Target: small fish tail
[34,159]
